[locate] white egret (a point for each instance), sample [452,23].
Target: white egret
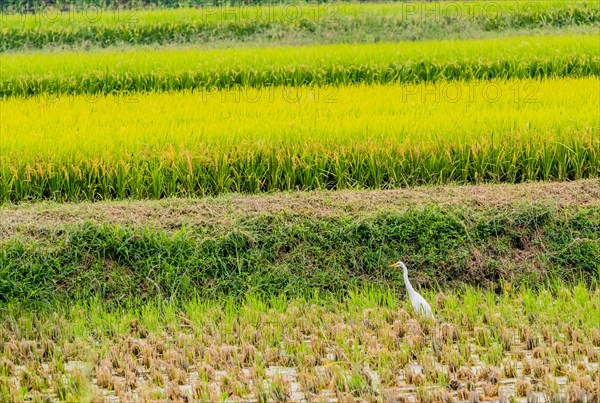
[418,302]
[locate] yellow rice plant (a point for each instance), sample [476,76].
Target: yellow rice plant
[249,140]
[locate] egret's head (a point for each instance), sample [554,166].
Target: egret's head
[397,264]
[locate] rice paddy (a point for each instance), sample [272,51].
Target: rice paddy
[201,203]
[297,22]
[298,138]
[106,72]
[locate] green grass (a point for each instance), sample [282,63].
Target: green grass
[107,72]
[275,254]
[319,23]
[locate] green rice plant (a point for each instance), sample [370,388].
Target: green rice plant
[323,138]
[205,24]
[132,71]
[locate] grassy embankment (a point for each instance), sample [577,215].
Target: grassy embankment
[228,247]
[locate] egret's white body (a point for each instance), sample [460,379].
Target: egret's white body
[418,302]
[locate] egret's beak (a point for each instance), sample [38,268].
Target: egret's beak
[393,265]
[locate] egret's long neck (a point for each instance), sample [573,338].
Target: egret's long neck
[406,281]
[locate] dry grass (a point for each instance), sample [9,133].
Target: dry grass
[171,214]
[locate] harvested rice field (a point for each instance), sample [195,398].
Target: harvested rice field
[515,345]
